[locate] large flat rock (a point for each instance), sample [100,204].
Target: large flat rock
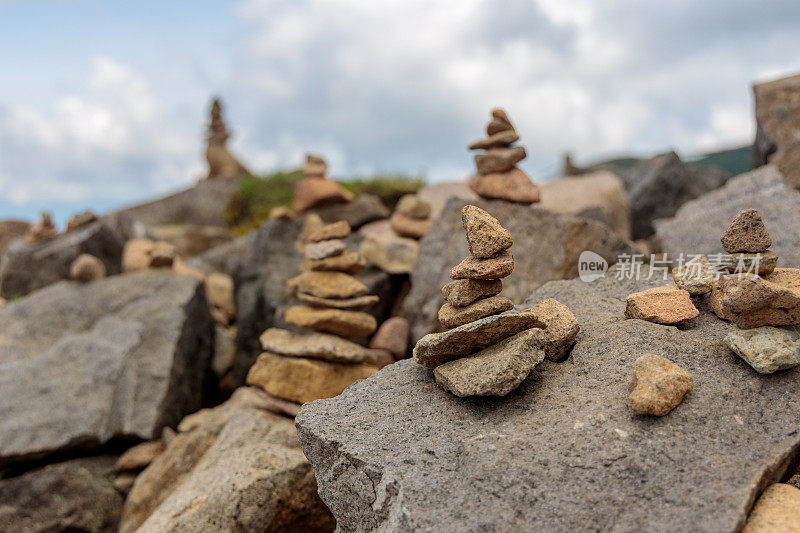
[83,363]
[546,247]
[776,109]
[563,452]
[697,226]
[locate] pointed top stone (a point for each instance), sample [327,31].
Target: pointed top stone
[485,236]
[500,122]
[746,233]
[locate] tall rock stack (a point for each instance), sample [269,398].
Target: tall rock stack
[221,163]
[508,345]
[315,188]
[498,176]
[302,367]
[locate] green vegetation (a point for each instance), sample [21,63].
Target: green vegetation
[736,160]
[388,188]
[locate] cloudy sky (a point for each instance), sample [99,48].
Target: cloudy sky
[103,104]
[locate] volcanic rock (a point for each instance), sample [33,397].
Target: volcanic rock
[452,317]
[761,263]
[766,349]
[472,267]
[667,305]
[695,276]
[561,328]
[462,292]
[750,301]
[746,233]
[658,385]
[485,236]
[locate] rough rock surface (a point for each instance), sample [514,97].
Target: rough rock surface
[750,301]
[316,345]
[462,292]
[695,276]
[25,266]
[761,263]
[80,364]
[776,107]
[766,349]
[746,233]
[663,305]
[350,324]
[413,206]
[658,385]
[236,467]
[560,328]
[452,317]
[777,510]
[563,451]
[550,252]
[472,267]
[698,224]
[485,236]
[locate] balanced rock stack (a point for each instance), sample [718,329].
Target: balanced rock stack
[508,345]
[221,163]
[411,217]
[498,176]
[302,367]
[42,230]
[316,189]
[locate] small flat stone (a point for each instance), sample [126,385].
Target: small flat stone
[462,292]
[413,206]
[359,302]
[746,233]
[304,380]
[499,159]
[761,263]
[498,140]
[666,305]
[87,267]
[317,346]
[496,370]
[750,301]
[695,276]
[311,223]
[139,456]
[392,336]
[349,262]
[658,385]
[452,317]
[485,236]
[435,349]
[492,268]
[777,510]
[561,328]
[329,285]
[766,349]
[321,250]
[513,186]
[335,230]
[405,226]
[349,324]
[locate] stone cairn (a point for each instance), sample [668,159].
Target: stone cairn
[315,188]
[302,367]
[485,350]
[411,217]
[221,163]
[498,176]
[42,230]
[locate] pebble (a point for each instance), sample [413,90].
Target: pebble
[405,226]
[513,186]
[462,292]
[499,159]
[317,346]
[359,302]
[496,370]
[87,267]
[485,236]
[666,305]
[349,324]
[658,385]
[335,230]
[413,206]
[392,336]
[751,301]
[766,349]
[492,268]
[746,233]
[761,263]
[321,250]
[329,285]
[348,262]
[695,276]
[777,510]
[561,328]
[498,140]
[452,317]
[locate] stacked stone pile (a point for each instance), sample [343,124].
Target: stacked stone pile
[42,230]
[302,367]
[411,217]
[315,188]
[221,163]
[498,176]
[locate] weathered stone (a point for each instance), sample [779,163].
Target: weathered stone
[393,255]
[359,302]
[435,349]
[312,191]
[335,230]
[25,267]
[350,324]
[139,456]
[658,385]
[513,186]
[191,239]
[74,495]
[413,206]
[761,263]
[485,236]
[87,268]
[498,124]
[776,142]
[563,451]
[472,267]
[323,249]
[452,317]
[136,255]
[777,510]
[750,301]
[392,336]
[462,292]
[766,349]
[348,262]
[412,228]
[162,255]
[499,159]
[695,276]
[304,380]
[330,285]
[317,346]
[502,139]
[746,233]
[496,370]
[698,224]
[560,328]
[82,364]
[666,305]
[235,467]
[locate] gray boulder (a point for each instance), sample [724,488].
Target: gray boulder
[75,495]
[25,267]
[697,226]
[546,247]
[81,364]
[563,452]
